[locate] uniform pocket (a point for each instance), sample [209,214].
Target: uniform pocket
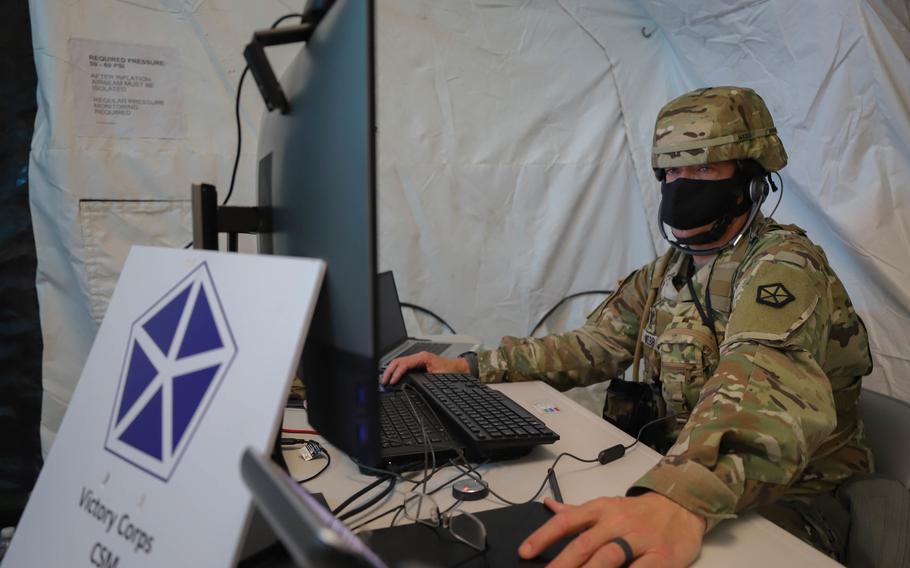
[688,355]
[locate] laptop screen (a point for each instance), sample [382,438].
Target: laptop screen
[392,331]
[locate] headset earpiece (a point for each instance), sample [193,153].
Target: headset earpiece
[758,189]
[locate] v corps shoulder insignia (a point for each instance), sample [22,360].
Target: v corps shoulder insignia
[774,295]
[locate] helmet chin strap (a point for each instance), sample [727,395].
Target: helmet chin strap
[715,232]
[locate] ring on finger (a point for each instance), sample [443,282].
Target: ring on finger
[626,549]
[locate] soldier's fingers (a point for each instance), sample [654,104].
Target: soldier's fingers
[555,505]
[400,370]
[594,542]
[566,522]
[387,373]
[405,364]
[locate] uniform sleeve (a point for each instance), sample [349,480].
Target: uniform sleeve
[602,348]
[768,405]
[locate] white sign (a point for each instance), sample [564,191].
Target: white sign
[126,90]
[191,365]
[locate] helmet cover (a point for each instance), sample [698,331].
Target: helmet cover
[716,124]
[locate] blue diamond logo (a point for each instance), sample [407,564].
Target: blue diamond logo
[178,353]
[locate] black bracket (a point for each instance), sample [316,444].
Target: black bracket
[210,219]
[258,62]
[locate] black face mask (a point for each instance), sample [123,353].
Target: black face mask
[691,203]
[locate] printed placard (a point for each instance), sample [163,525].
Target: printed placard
[191,365]
[126,90]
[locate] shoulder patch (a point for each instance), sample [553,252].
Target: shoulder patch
[772,301]
[775,295]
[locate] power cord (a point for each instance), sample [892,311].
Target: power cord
[642,430]
[379,497]
[362,524]
[429,453]
[246,70]
[309,450]
[469,470]
[428,473]
[464,465]
[605,456]
[561,302]
[378,481]
[546,478]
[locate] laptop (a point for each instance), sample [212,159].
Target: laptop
[393,335]
[313,536]
[458,414]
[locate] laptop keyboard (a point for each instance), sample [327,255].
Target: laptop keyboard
[436,348]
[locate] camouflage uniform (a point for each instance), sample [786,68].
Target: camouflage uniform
[772,390]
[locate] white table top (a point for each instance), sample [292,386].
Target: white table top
[747,541]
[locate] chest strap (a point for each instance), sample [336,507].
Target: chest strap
[660,268]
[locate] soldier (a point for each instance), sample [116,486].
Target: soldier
[747,336]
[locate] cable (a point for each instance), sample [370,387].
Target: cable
[399,508]
[237,112]
[561,302]
[310,449]
[779,197]
[450,507]
[360,525]
[647,424]
[362,491]
[428,449]
[604,457]
[428,312]
[328,462]
[544,483]
[456,478]
[395,518]
[708,302]
[246,70]
[371,502]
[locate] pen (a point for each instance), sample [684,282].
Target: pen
[554,485]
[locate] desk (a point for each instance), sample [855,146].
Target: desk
[747,541]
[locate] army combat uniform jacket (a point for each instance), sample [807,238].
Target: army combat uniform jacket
[771,391]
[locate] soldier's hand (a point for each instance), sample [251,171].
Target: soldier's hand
[430,362]
[659,531]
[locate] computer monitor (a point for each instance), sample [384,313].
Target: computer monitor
[317,172]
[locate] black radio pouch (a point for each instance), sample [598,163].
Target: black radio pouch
[630,405]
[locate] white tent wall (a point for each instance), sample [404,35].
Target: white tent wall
[507,179]
[513,149]
[93,197]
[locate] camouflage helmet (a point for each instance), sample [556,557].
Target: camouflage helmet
[713,125]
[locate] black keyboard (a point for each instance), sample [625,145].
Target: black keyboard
[436,348]
[488,419]
[400,428]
